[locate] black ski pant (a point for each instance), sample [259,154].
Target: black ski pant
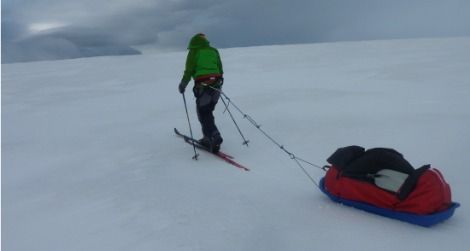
[206,100]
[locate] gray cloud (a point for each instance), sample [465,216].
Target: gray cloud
[63,44]
[121,24]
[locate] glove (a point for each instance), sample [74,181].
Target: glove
[182,86]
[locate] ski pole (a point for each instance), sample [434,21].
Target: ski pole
[245,141]
[190,130]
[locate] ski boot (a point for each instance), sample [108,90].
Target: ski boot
[205,142]
[215,142]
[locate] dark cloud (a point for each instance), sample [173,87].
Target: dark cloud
[64,43]
[299,21]
[121,24]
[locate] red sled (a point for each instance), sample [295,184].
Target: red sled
[389,188]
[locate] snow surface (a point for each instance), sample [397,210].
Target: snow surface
[90,160]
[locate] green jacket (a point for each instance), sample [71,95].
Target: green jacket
[202,59]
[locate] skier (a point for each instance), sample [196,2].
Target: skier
[204,65]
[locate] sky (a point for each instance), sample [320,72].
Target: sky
[55,29]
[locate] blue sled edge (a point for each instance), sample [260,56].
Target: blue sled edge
[426,220]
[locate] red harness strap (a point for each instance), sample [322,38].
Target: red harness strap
[207,79]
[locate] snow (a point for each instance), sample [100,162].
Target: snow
[90,160]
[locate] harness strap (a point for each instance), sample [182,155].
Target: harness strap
[213,79]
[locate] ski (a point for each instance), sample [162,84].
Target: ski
[221,155]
